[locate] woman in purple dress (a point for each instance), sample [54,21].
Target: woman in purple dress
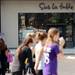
[53,47]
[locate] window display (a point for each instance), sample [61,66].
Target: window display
[28,22]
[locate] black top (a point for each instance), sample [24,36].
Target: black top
[3,58]
[26,54]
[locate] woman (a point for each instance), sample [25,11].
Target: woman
[53,47]
[3,57]
[41,37]
[23,53]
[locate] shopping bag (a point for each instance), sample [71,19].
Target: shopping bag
[29,72]
[10,57]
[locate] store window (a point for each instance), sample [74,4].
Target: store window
[29,22]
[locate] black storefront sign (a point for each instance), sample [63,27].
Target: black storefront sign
[53,6]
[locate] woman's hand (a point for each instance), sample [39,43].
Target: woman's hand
[61,45]
[61,41]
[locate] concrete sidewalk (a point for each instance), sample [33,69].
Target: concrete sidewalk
[66,66]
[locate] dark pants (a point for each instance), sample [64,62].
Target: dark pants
[3,71]
[39,72]
[17,73]
[0,71]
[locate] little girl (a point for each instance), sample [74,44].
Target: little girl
[41,37]
[53,47]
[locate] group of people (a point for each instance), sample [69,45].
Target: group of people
[4,63]
[44,47]
[37,53]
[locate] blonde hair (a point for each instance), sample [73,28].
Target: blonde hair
[32,35]
[51,33]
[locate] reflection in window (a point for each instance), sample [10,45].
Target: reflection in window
[29,22]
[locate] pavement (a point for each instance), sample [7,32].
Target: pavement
[66,66]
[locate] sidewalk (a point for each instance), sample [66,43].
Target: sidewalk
[65,66]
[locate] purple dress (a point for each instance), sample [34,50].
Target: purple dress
[50,59]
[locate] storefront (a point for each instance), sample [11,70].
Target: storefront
[63,21]
[26,16]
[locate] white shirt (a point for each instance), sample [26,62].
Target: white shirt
[38,47]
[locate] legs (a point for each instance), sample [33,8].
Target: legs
[17,73]
[39,72]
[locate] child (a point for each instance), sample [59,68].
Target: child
[51,50]
[22,53]
[41,37]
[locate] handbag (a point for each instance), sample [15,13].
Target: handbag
[15,64]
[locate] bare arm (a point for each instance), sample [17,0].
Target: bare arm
[38,57]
